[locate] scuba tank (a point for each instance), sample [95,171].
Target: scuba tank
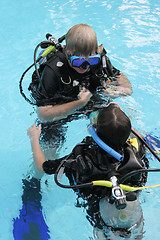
[49,48]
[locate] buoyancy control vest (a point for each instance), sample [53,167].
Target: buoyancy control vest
[92,163]
[63,80]
[105,72]
[68,83]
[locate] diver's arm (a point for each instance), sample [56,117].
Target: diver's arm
[57,112]
[120,87]
[38,156]
[50,166]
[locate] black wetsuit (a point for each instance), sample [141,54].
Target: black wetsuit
[88,162]
[61,84]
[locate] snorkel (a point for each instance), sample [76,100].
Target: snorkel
[103,145]
[93,121]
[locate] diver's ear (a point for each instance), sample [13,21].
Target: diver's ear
[67,52]
[100,49]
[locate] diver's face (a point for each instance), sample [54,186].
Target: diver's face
[82,64]
[79,69]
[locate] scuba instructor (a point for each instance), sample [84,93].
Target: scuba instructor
[71,82]
[71,76]
[90,161]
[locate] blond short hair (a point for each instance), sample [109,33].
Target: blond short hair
[81,40]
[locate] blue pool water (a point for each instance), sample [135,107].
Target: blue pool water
[130,32]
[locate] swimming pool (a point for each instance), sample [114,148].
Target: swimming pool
[130,33]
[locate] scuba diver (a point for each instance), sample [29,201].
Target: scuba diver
[72,80]
[68,76]
[112,153]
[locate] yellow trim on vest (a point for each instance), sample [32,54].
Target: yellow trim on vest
[133,142]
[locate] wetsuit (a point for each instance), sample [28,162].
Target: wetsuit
[89,162]
[61,84]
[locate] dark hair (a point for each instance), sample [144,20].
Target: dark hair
[113,126]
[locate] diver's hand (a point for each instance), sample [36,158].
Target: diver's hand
[34,132]
[119,87]
[38,155]
[84,95]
